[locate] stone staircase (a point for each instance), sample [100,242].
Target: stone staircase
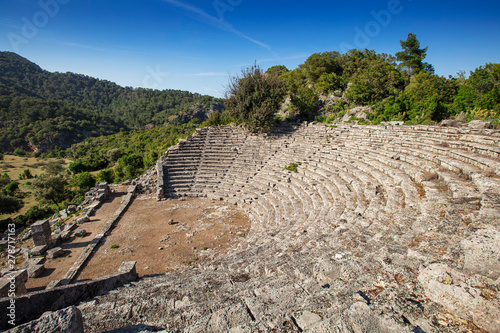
[381,229]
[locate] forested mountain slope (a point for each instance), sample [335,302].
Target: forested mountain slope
[40,109]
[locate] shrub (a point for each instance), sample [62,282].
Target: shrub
[11,188]
[26,174]
[9,204]
[19,152]
[129,167]
[84,181]
[293,166]
[305,101]
[107,175]
[36,213]
[254,98]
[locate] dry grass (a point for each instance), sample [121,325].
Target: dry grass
[420,190]
[14,166]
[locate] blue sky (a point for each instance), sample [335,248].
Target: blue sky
[196,45]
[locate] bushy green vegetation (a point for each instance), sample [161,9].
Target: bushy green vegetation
[126,155]
[254,98]
[10,196]
[43,109]
[402,88]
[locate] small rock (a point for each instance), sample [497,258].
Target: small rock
[55,253]
[479,124]
[171,222]
[450,123]
[160,248]
[71,208]
[83,219]
[81,233]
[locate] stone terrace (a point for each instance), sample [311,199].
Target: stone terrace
[381,229]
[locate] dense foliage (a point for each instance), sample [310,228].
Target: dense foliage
[128,153]
[401,88]
[40,110]
[254,98]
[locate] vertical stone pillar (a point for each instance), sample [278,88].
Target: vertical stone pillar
[160,181]
[41,233]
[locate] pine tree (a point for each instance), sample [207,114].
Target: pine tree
[412,55]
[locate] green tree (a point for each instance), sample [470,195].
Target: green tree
[329,82]
[412,55]
[107,175]
[481,90]
[83,181]
[320,63]
[254,98]
[129,166]
[50,188]
[55,167]
[373,77]
[11,188]
[305,102]
[26,174]
[9,204]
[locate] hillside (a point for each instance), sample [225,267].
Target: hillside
[40,109]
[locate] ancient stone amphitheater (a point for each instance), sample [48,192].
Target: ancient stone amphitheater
[380,229]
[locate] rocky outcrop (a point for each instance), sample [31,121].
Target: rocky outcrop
[67,320]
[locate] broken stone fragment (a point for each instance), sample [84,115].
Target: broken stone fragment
[54,253]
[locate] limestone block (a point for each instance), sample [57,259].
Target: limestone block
[479,124]
[71,208]
[462,295]
[482,253]
[53,284]
[63,214]
[307,319]
[127,267]
[450,123]
[81,233]
[83,219]
[54,253]
[38,250]
[41,233]
[13,281]
[68,320]
[35,271]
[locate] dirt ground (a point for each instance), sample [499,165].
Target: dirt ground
[55,269]
[160,236]
[199,229]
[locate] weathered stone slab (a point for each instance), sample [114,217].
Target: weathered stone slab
[83,219]
[464,296]
[55,253]
[38,250]
[479,124]
[13,282]
[68,320]
[41,233]
[35,270]
[482,253]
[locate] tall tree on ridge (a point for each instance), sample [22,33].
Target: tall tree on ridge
[412,55]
